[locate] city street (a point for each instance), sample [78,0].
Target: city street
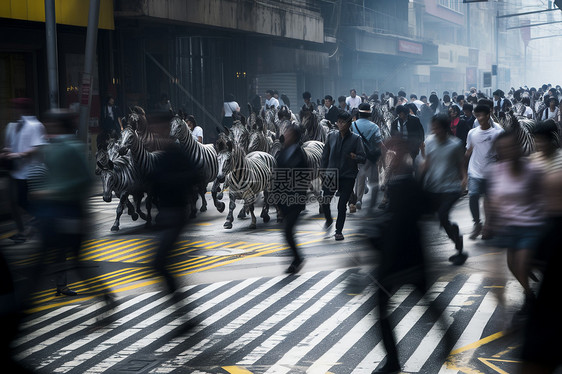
[241,314]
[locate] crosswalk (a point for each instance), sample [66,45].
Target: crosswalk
[316,322]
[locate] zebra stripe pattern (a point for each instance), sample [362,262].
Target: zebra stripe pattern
[249,175]
[204,157]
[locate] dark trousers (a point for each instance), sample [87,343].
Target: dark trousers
[173,220]
[345,187]
[442,203]
[290,218]
[18,201]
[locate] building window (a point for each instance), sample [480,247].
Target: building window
[455,5]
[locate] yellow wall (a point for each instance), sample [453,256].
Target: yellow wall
[68,12]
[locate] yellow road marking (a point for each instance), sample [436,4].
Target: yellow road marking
[104,248]
[122,251]
[487,362]
[215,245]
[250,245]
[101,243]
[236,370]
[478,343]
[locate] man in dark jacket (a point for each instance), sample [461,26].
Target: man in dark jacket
[290,196]
[342,152]
[331,110]
[409,128]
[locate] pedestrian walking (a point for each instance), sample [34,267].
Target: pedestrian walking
[480,153]
[370,134]
[353,101]
[291,198]
[443,173]
[515,212]
[23,140]
[408,127]
[110,120]
[229,107]
[459,127]
[331,112]
[342,153]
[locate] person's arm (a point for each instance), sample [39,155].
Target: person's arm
[359,155]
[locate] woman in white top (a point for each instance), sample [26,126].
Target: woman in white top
[196,131]
[229,107]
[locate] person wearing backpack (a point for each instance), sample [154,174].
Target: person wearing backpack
[370,134]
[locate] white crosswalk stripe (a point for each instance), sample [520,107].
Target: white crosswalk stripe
[282,324]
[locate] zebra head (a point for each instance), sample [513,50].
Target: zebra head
[224,157]
[128,140]
[240,135]
[107,180]
[178,128]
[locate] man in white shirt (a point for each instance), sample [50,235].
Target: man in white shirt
[479,153]
[270,101]
[22,141]
[352,101]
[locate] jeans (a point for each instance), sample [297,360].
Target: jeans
[476,188]
[345,187]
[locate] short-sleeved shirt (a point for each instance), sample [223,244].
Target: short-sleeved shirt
[443,170]
[230,107]
[197,131]
[30,135]
[515,196]
[353,102]
[483,154]
[272,102]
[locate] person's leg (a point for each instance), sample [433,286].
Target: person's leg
[15,192]
[388,340]
[474,191]
[326,199]
[447,201]
[291,218]
[360,181]
[346,188]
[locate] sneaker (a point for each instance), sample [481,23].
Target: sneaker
[458,259]
[328,223]
[352,208]
[65,291]
[339,236]
[476,230]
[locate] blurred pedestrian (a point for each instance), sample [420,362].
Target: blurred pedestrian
[307,103]
[343,151]
[23,140]
[542,344]
[459,127]
[291,198]
[229,107]
[443,174]
[110,120]
[480,153]
[330,111]
[402,253]
[62,201]
[515,213]
[174,184]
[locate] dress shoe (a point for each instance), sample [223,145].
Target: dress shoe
[65,291]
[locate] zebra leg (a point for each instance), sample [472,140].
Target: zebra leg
[138,200]
[242,213]
[218,204]
[119,212]
[148,202]
[202,192]
[131,210]
[250,207]
[230,216]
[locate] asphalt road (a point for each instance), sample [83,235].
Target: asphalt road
[239,312]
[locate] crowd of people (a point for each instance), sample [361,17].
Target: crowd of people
[423,154]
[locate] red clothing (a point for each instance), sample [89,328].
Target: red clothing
[454,124]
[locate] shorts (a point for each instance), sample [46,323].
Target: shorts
[476,186]
[520,237]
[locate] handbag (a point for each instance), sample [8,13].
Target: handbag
[373,153]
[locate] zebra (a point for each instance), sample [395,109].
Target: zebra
[145,162]
[137,120]
[204,158]
[258,139]
[121,176]
[246,176]
[313,150]
[313,130]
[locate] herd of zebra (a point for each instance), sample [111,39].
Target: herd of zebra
[242,159]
